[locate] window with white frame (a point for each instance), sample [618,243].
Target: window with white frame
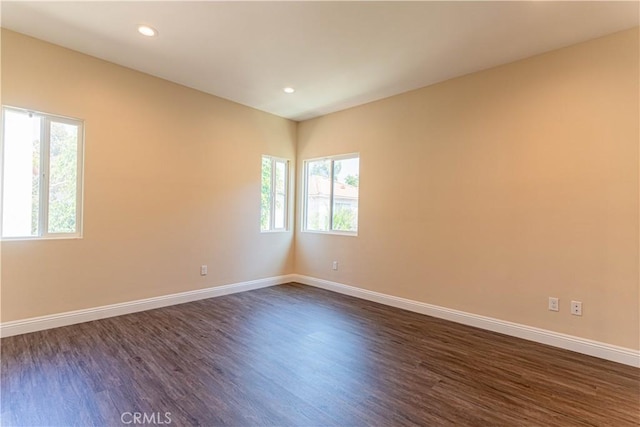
[331,193]
[275,186]
[42,158]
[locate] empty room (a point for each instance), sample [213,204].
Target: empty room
[320,213]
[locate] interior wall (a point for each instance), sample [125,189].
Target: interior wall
[486,193]
[172,181]
[491,192]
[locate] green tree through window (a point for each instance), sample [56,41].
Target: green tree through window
[41,175]
[332,194]
[273,196]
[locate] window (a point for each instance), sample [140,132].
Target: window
[331,194]
[41,175]
[275,180]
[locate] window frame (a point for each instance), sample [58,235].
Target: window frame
[45,145]
[305,194]
[272,199]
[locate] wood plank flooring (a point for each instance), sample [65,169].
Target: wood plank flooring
[293,355]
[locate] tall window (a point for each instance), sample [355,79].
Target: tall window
[331,194]
[275,180]
[41,175]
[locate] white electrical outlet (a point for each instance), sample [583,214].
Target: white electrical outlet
[553,304]
[203,270]
[576,308]
[335,265]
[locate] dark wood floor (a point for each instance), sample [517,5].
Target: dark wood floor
[294,355]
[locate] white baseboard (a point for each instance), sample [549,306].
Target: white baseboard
[34,324]
[581,345]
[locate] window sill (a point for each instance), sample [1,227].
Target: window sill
[334,233]
[22,239]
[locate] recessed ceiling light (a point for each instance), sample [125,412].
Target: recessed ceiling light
[289,90]
[145,30]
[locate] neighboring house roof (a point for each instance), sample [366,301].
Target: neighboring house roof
[321,186]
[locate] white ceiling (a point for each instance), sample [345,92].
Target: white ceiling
[336,54]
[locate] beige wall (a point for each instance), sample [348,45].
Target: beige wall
[491,192]
[172,181]
[487,193]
